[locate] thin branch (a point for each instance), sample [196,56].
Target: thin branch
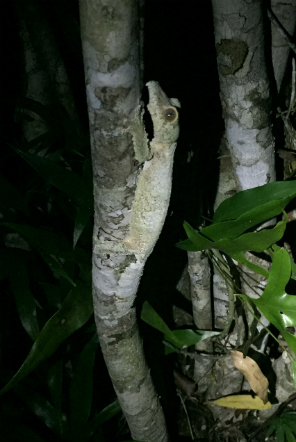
[292,98]
[274,20]
[186,412]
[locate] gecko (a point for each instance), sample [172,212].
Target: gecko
[154,184]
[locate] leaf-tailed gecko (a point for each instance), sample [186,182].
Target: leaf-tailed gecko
[153,190]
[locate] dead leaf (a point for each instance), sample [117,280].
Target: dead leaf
[242,402]
[251,370]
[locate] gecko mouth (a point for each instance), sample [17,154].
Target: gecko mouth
[148,123]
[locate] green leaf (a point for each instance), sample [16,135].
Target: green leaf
[75,312]
[50,245]
[198,239]
[179,338]
[276,305]
[65,180]
[152,318]
[289,435]
[234,228]
[188,337]
[55,265]
[274,249]
[254,241]
[294,372]
[103,416]
[240,257]
[53,294]
[19,282]
[36,107]
[243,202]
[290,420]
[272,427]
[186,245]
[284,426]
[41,407]
[55,385]
[81,390]
[280,434]
[82,216]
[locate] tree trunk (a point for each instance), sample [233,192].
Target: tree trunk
[132,185]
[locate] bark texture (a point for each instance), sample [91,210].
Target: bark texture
[244,87]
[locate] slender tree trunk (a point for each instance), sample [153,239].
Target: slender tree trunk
[46,78]
[244,90]
[131,198]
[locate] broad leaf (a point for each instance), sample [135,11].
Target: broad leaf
[65,180]
[247,200]
[240,257]
[275,248]
[283,426]
[255,241]
[276,305]
[50,245]
[186,245]
[152,318]
[40,406]
[81,390]
[234,228]
[82,216]
[17,262]
[76,310]
[55,385]
[188,337]
[25,302]
[179,338]
[103,416]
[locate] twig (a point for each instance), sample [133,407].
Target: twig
[292,98]
[275,21]
[186,412]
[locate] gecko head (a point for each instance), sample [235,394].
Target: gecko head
[164,114]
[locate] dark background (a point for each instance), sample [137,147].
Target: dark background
[179,53]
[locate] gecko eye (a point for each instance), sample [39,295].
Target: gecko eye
[170,114]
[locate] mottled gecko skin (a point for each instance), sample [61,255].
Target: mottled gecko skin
[153,191]
[155,181]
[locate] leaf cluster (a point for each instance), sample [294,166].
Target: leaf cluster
[236,228]
[49,349]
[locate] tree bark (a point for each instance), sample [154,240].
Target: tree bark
[244,90]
